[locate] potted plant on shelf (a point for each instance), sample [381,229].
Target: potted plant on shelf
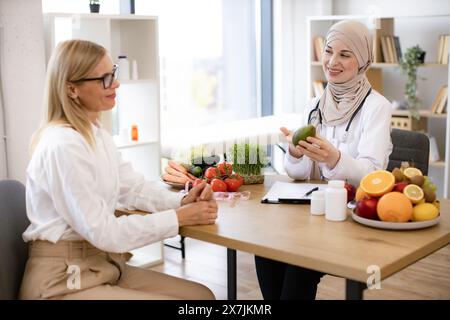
[409,64]
[94,6]
[248,161]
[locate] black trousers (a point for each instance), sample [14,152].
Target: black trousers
[282,281]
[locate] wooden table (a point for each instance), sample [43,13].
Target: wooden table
[288,233]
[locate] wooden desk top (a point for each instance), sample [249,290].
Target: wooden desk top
[290,234]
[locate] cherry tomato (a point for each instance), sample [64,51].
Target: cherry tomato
[218,185]
[234,182]
[212,173]
[225,168]
[239,178]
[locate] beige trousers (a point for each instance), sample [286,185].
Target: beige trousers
[77,270]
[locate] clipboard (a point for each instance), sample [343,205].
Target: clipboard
[292,193]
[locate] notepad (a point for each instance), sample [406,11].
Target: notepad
[289,192]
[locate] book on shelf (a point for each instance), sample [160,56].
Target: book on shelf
[440,101]
[319,88]
[434,151]
[390,48]
[318,44]
[443,48]
[398,48]
[384,50]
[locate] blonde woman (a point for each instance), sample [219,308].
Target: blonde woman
[353,125]
[75,180]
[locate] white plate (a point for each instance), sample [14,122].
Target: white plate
[395,225]
[175,185]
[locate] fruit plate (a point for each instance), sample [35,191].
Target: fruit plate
[395,225]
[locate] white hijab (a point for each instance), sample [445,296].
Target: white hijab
[340,100]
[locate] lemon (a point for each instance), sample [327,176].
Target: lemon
[424,211]
[414,193]
[412,172]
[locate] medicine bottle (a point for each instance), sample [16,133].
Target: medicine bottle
[134,133]
[124,68]
[336,201]
[318,203]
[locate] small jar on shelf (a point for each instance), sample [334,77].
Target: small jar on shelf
[134,133]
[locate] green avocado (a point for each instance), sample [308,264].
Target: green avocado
[303,133]
[196,171]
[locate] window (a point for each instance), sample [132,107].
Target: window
[209,58]
[208,61]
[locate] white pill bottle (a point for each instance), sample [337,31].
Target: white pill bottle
[336,201]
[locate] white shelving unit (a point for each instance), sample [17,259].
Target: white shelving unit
[388,79]
[137,99]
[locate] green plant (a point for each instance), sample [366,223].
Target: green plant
[94,1]
[247,159]
[411,60]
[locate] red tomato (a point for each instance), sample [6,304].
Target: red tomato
[234,182]
[212,173]
[239,178]
[218,185]
[197,182]
[225,168]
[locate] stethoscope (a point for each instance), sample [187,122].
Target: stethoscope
[343,138]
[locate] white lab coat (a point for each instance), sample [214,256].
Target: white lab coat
[367,147]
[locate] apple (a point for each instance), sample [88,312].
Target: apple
[351,191]
[399,186]
[367,208]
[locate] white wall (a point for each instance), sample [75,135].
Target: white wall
[3,168]
[291,60]
[392,7]
[290,28]
[23,72]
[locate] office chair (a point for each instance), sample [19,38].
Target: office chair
[410,146]
[14,251]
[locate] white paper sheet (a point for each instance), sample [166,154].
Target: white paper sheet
[290,191]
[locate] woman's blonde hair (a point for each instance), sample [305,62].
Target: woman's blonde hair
[70,61]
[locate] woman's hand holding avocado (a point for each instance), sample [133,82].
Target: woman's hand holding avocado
[294,151]
[321,150]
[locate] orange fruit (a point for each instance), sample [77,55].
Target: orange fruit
[360,194]
[377,183]
[412,172]
[394,207]
[413,193]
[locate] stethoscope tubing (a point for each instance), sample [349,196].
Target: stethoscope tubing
[316,109]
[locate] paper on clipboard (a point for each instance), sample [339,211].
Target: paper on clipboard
[288,192]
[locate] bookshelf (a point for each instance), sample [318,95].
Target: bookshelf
[401,32]
[137,99]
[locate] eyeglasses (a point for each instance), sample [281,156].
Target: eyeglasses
[107,79]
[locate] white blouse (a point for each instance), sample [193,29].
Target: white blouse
[366,148]
[72,192]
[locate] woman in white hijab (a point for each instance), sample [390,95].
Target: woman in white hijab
[353,139]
